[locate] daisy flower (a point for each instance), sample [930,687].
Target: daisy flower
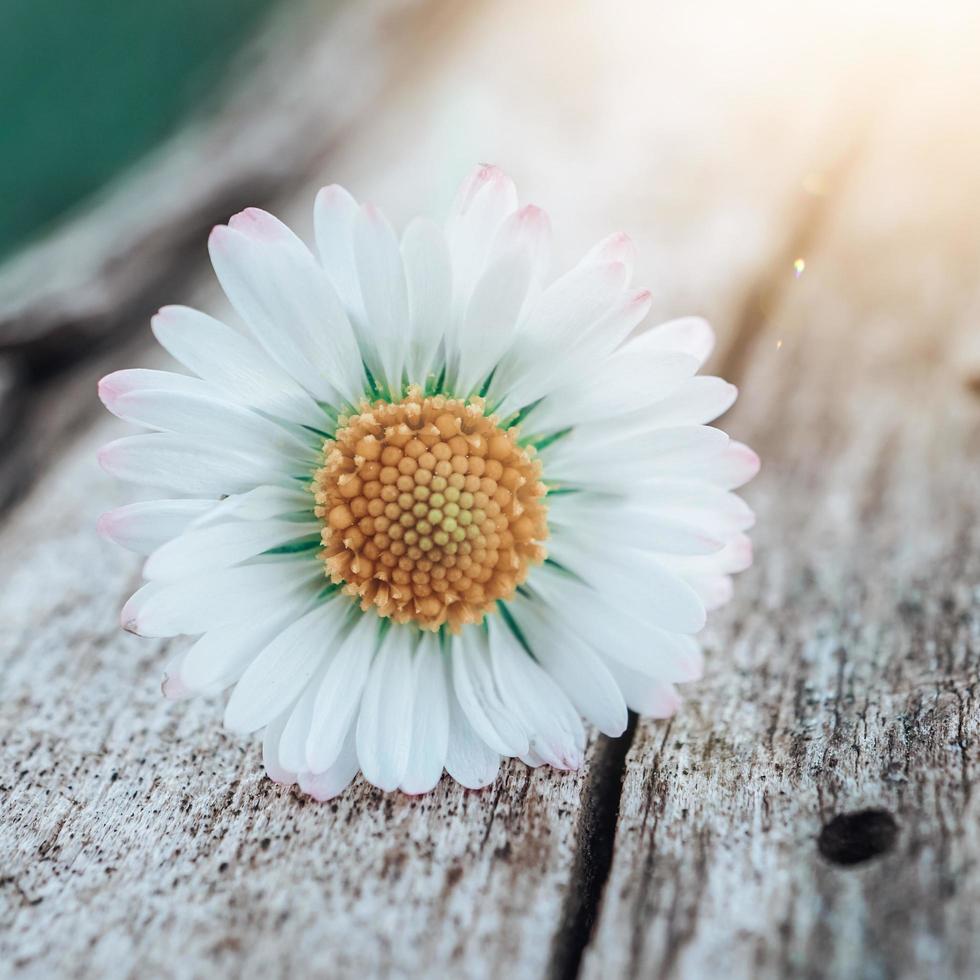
[430,505]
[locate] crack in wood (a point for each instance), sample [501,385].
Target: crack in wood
[594,842]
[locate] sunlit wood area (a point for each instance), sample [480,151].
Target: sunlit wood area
[807,177]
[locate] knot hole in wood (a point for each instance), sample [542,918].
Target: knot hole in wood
[853,838]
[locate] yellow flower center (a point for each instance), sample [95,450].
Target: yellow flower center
[431,511]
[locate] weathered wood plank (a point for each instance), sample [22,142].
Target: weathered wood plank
[143,837]
[846,675]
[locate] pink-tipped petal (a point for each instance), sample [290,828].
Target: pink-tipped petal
[104,457]
[690,334]
[715,590]
[617,247]
[747,463]
[128,617]
[528,227]
[373,213]
[278,775]
[260,225]
[700,337]
[692,664]
[174,689]
[219,237]
[104,525]
[639,304]
[532,218]
[738,554]
[474,182]
[615,272]
[112,387]
[667,704]
[333,196]
[333,216]
[169,312]
[172,316]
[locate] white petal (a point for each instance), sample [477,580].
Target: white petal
[339,695]
[235,366]
[545,373]
[527,229]
[219,658]
[553,725]
[142,527]
[617,247]
[428,275]
[616,628]
[491,317]
[633,578]
[736,556]
[623,523]
[479,697]
[279,673]
[384,723]
[577,669]
[559,318]
[333,218]
[172,685]
[715,590]
[186,466]
[430,719]
[238,263]
[606,335]
[731,468]
[485,198]
[697,402]
[270,752]
[260,504]
[592,456]
[292,744]
[717,512]
[384,293]
[329,783]
[626,382]
[645,695]
[121,383]
[220,598]
[690,334]
[280,290]
[210,419]
[469,760]
[208,548]
[532,759]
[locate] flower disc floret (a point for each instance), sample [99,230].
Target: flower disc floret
[431,510]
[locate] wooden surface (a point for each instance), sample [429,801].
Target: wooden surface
[138,838]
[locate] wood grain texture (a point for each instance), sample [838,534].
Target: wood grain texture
[846,677]
[139,838]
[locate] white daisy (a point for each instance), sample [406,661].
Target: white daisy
[431,506]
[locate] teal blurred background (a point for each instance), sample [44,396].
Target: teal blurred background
[87,87]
